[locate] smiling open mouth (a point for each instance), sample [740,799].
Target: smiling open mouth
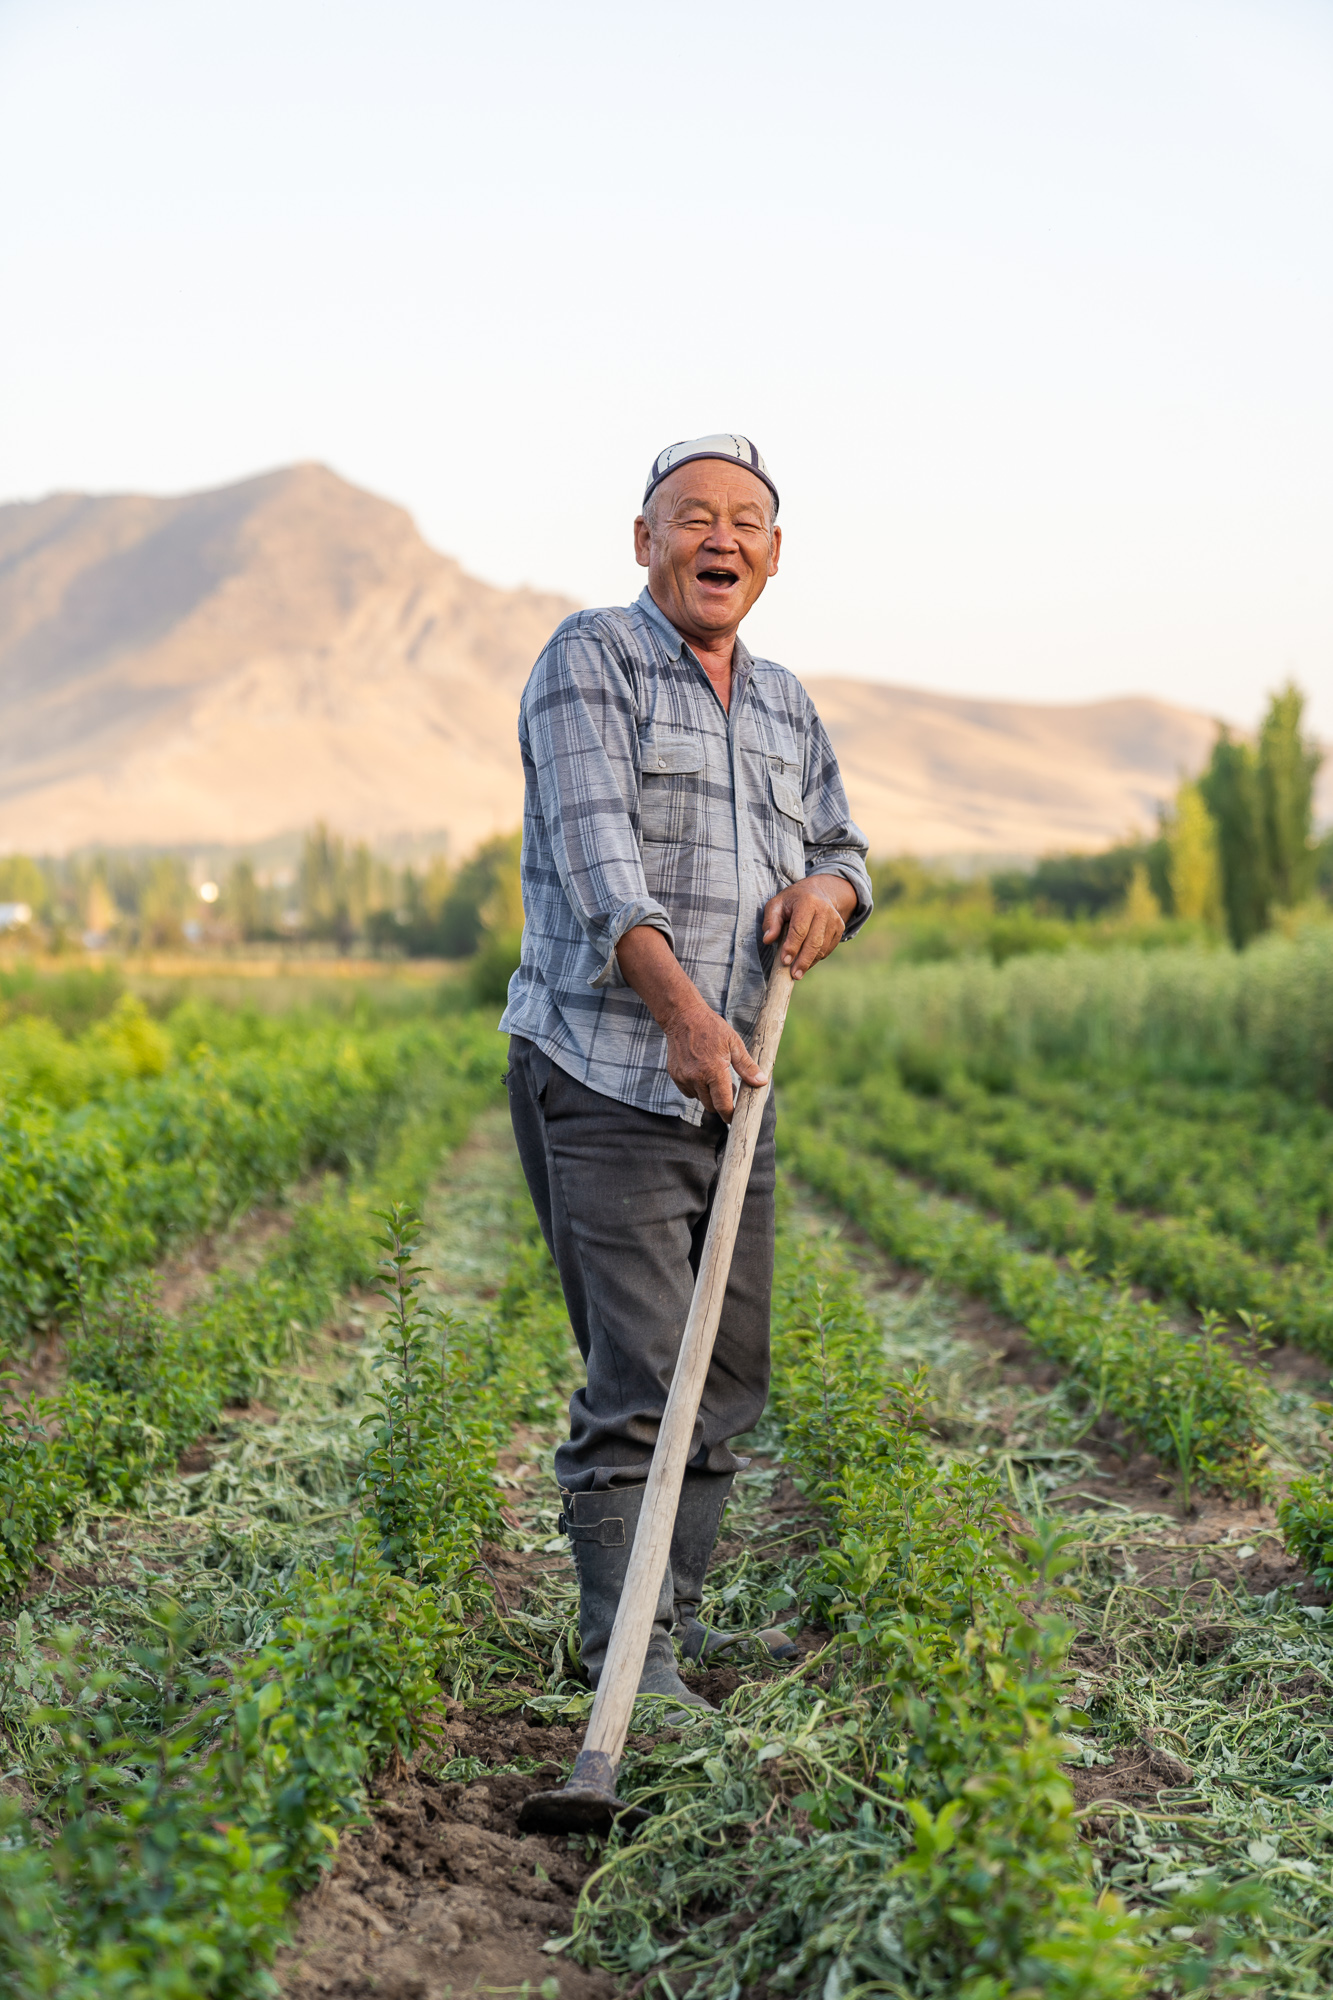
[721,576]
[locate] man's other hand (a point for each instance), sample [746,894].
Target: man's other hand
[702,1051]
[814,914]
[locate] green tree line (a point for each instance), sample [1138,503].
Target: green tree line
[341,893]
[1235,850]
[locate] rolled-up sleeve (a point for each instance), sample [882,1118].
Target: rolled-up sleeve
[578,717]
[834,843]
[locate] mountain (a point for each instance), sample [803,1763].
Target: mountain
[936,774]
[228,666]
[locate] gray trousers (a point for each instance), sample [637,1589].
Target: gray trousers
[623,1197]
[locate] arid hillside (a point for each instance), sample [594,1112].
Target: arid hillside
[231,665]
[935,774]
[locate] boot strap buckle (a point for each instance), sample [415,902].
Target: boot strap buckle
[608,1534]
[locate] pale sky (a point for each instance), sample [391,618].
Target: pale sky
[1028,303]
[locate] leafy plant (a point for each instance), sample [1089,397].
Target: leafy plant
[1179,1418]
[1305,1516]
[34,1489]
[426,1473]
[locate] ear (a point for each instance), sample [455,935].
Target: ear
[775,550]
[642,541]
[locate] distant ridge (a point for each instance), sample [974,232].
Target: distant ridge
[233,664]
[937,774]
[228,666]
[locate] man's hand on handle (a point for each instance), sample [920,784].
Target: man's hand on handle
[814,913]
[702,1050]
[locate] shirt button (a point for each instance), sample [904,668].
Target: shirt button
[661,763]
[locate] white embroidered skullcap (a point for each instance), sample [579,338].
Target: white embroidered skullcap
[737,450]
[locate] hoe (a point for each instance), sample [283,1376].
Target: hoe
[587,1803]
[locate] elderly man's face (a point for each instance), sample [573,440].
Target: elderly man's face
[709,545]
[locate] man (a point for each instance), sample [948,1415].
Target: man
[683,812]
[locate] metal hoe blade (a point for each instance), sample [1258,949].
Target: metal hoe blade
[587,1803]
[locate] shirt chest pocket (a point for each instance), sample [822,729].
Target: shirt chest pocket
[786,819]
[787,798]
[670,784]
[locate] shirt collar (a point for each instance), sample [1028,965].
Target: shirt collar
[741,661]
[656,616]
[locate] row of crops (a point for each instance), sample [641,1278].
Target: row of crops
[893,1817]
[190,1796]
[1130,1159]
[183,1779]
[1143,1147]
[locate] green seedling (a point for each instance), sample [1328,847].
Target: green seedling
[1180,1418]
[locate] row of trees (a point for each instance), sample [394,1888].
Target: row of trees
[344,894]
[1255,853]
[1236,847]
[147,900]
[340,893]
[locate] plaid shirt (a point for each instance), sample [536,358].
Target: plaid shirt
[649,803]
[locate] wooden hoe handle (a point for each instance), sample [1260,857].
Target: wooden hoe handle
[608,1725]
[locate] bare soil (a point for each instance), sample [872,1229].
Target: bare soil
[187,1273]
[1138,1777]
[1136,1482]
[442,1895]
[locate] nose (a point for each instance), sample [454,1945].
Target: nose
[721,537]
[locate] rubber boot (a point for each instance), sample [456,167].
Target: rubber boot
[698,1517]
[601,1527]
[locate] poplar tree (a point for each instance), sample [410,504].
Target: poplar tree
[1288,764]
[1193,868]
[243,900]
[1262,804]
[324,885]
[1141,905]
[1231,792]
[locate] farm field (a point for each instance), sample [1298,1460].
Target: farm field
[289,1633]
